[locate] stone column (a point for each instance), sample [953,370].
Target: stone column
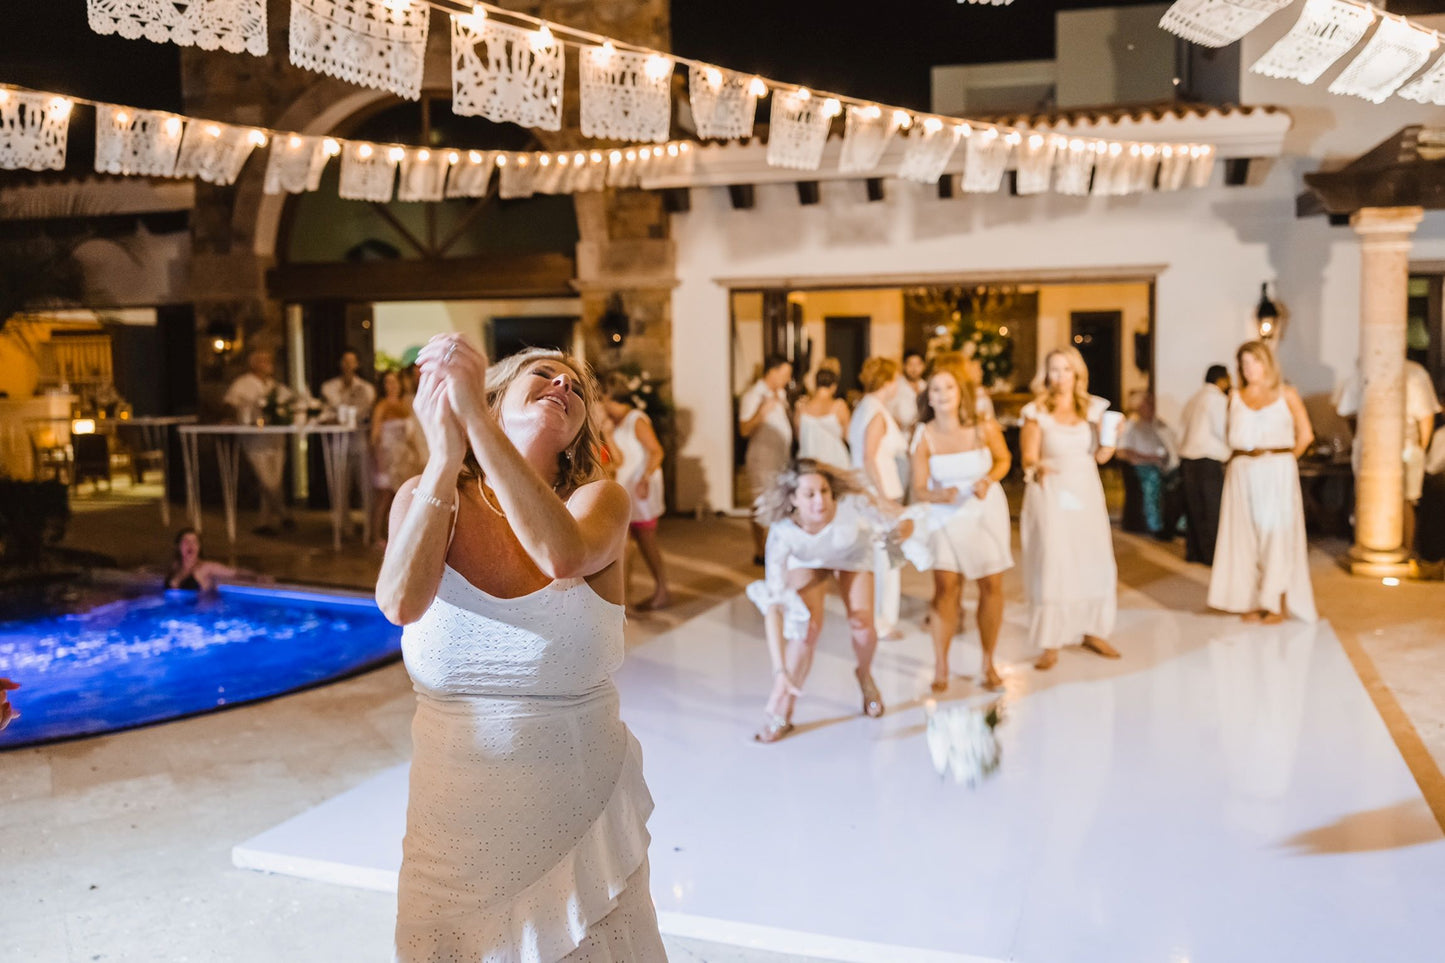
[1380,485]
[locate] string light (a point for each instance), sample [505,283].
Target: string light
[758,88]
[422,155]
[329,147]
[258,138]
[395,155]
[173,126]
[364,151]
[541,38]
[657,67]
[713,77]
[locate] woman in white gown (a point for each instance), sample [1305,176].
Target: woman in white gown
[822,530]
[1070,578]
[959,458]
[878,446]
[640,472]
[822,421]
[1261,561]
[526,835]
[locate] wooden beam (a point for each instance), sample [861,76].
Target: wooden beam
[495,276]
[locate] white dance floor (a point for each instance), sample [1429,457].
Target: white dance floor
[1223,793]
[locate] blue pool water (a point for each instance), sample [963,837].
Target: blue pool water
[148,659]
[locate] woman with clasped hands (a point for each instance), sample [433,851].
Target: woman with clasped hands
[527,805]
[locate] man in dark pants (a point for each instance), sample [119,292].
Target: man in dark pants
[1202,457]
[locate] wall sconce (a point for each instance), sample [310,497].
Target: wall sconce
[221,335]
[615,323]
[1266,314]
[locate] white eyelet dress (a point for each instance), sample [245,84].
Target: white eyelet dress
[526,828]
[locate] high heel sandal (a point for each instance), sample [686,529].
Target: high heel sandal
[775,728]
[872,699]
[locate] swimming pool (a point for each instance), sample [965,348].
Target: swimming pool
[162,656]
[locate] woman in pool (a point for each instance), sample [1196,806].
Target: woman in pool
[190,572]
[526,835]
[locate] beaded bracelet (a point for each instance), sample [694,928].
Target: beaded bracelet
[434,502]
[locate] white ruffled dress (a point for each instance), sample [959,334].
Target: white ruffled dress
[526,828]
[846,544]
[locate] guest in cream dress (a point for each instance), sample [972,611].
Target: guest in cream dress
[639,471]
[1261,558]
[878,447]
[822,421]
[1070,578]
[526,824]
[959,458]
[764,421]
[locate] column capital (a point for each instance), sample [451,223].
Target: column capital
[1386,223]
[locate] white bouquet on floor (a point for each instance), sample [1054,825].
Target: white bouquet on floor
[962,742]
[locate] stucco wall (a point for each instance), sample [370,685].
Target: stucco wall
[1213,247]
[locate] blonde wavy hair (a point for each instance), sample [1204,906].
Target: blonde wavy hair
[967,393]
[1043,388]
[776,503]
[580,462]
[1262,353]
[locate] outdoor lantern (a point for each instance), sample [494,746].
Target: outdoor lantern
[222,336]
[1266,314]
[615,323]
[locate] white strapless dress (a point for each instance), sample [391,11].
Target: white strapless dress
[526,827]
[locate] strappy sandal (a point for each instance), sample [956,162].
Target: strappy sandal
[776,727]
[872,699]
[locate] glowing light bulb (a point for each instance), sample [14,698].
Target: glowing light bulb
[672,150]
[831,107]
[453,157]
[122,118]
[803,93]
[685,147]
[329,147]
[476,19]
[902,119]
[1133,150]
[989,133]
[1076,145]
[1013,138]
[757,87]
[595,156]
[962,130]
[872,112]
[522,161]
[258,137]
[364,151]
[4,96]
[631,155]
[657,67]
[422,155]
[713,77]
[1148,150]
[544,161]
[615,157]
[657,152]
[1115,149]
[212,130]
[932,125]
[501,160]
[541,38]
[60,106]
[293,142]
[579,158]
[1036,141]
[173,126]
[396,155]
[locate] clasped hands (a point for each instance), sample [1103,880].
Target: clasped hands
[450,394]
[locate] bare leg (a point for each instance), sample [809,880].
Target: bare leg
[796,655]
[943,621]
[1274,618]
[857,589]
[990,621]
[647,543]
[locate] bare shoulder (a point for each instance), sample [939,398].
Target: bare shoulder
[603,495]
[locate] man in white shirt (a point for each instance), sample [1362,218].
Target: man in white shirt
[764,420]
[248,397]
[1421,406]
[349,399]
[1203,453]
